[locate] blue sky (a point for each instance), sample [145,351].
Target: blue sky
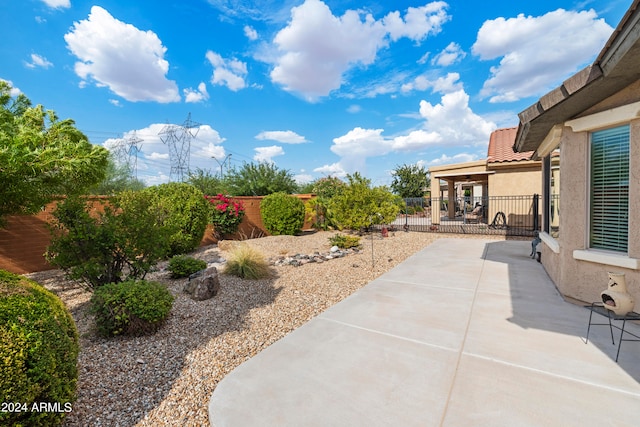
[317,87]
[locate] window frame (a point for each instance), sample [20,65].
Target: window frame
[607,135]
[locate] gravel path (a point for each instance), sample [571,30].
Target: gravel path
[167,379]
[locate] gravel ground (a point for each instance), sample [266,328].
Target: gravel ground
[167,379]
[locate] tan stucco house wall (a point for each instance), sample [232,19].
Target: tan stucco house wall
[602,96]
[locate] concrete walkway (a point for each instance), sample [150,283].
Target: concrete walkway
[463,333]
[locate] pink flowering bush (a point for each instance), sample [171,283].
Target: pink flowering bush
[226,215]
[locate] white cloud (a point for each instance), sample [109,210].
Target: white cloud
[285,137]
[451,54]
[303,178]
[157,156]
[446,160]
[354,108]
[537,52]
[127,60]
[418,22]
[251,33]
[334,169]
[450,123]
[196,95]
[316,48]
[266,154]
[227,72]
[38,61]
[115,102]
[449,83]
[57,4]
[454,120]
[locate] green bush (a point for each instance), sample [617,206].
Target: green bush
[282,214]
[185,213]
[345,242]
[134,307]
[360,206]
[38,351]
[184,266]
[247,263]
[122,242]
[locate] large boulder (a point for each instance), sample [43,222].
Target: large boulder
[203,285]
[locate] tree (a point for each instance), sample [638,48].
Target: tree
[206,182]
[117,179]
[359,206]
[260,179]
[410,181]
[42,157]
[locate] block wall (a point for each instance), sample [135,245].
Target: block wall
[25,238]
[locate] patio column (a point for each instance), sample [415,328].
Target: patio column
[436,200]
[451,192]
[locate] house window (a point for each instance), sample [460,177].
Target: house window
[554,194]
[609,210]
[551,165]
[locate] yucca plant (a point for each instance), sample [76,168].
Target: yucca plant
[247,263]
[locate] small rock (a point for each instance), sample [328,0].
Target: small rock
[334,249]
[140,361]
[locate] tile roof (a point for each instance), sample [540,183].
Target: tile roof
[501,147]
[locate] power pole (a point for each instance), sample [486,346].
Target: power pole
[178,139]
[134,148]
[221,164]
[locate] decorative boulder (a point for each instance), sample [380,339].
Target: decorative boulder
[203,285]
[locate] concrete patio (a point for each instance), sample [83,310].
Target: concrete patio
[464,333]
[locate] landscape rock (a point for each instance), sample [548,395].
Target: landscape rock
[298,260]
[203,285]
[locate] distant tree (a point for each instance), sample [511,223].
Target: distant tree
[305,188]
[328,187]
[42,157]
[260,179]
[410,181]
[206,182]
[118,178]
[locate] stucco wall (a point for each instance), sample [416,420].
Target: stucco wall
[580,279]
[25,238]
[516,182]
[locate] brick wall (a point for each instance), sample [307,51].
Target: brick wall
[25,238]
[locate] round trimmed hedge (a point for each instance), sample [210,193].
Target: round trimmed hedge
[132,307]
[186,214]
[282,214]
[38,352]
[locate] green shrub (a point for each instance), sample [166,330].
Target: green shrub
[247,263]
[38,351]
[345,242]
[185,213]
[134,307]
[360,206]
[184,266]
[282,214]
[122,242]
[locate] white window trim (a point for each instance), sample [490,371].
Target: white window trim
[550,242]
[606,258]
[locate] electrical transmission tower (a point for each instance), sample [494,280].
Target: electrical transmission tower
[134,148]
[178,139]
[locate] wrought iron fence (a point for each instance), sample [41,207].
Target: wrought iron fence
[504,215]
